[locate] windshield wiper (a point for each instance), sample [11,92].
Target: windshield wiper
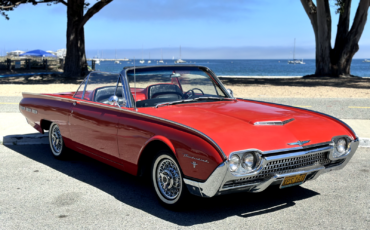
[194,99]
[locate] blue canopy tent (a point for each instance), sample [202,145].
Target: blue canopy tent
[37,53]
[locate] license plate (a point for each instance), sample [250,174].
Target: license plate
[293,180]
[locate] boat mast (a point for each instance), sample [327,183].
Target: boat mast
[294,51]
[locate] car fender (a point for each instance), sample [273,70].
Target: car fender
[163,139]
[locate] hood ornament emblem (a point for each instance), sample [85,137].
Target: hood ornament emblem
[300,143]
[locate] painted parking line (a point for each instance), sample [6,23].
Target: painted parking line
[9,103]
[358,107]
[303,106]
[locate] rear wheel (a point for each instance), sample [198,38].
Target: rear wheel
[168,181]
[56,143]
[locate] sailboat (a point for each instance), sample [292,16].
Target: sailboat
[161,61]
[180,60]
[116,61]
[97,60]
[366,60]
[141,61]
[149,61]
[295,61]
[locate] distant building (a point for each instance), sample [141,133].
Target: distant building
[15,53]
[61,53]
[52,52]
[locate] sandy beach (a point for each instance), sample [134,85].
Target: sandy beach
[288,87]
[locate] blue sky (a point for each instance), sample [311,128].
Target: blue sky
[241,29]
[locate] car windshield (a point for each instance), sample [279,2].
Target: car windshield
[153,86]
[99,87]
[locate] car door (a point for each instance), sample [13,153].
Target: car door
[93,122]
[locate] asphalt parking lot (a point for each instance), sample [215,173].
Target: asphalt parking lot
[39,192]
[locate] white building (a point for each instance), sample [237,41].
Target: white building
[61,53]
[15,53]
[52,52]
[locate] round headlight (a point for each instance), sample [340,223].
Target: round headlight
[249,161]
[341,146]
[234,163]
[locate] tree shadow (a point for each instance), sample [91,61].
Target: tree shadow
[138,193]
[352,82]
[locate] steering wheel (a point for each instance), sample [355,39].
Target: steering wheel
[190,93]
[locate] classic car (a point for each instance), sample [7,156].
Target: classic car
[179,125]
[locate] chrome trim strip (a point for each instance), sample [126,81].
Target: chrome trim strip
[342,122]
[273,122]
[296,154]
[210,187]
[140,114]
[297,148]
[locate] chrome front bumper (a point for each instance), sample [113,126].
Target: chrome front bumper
[215,184]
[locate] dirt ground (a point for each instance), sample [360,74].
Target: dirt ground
[307,87]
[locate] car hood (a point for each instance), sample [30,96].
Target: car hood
[231,124]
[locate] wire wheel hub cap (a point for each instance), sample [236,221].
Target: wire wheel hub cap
[56,140]
[168,179]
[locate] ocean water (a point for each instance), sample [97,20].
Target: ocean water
[244,67]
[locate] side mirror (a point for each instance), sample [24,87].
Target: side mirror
[122,102]
[230,92]
[113,100]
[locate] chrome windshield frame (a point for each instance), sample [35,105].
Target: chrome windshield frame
[86,79]
[206,69]
[119,78]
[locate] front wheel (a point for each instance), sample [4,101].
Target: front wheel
[167,181]
[56,143]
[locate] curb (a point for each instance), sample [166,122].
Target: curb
[28,139]
[364,142]
[43,139]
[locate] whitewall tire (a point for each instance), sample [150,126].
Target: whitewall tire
[56,142]
[167,180]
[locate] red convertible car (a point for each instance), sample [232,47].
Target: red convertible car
[180,125]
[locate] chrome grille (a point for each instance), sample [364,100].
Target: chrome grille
[289,165]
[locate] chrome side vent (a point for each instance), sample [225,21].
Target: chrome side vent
[273,122]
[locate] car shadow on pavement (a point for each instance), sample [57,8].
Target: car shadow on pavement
[138,193]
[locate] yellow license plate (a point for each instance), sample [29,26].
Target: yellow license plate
[293,180]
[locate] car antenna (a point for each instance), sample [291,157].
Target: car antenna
[135,84]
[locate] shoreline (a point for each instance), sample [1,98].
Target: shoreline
[242,86]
